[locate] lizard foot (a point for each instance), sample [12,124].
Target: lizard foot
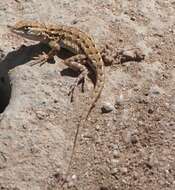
[80,79]
[41,59]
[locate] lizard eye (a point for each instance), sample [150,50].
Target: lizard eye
[26,28]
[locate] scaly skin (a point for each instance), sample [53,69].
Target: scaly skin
[75,41]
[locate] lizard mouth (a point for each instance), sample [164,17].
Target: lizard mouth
[14,30]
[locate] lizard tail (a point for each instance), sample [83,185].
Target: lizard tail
[96,94]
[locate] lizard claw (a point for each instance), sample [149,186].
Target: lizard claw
[40,59]
[73,86]
[71,91]
[71,94]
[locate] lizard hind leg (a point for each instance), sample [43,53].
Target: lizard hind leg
[80,78]
[77,63]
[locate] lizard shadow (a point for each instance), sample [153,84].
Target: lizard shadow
[11,60]
[23,55]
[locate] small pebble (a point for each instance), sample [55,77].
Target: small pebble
[119,101]
[134,54]
[41,114]
[72,181]
[116,154]
[97,128]
[129,54]
[74,21]
[115,146]
[114,162]
[130,137]
[107,107]
[114,171]
[124,170]
[153,161]
[74,177]
[155,90]
[134,139]
[150,111]
[133,18]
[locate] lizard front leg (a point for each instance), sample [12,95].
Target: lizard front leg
[43,58]
[77,63]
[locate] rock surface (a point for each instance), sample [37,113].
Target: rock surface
[131,147]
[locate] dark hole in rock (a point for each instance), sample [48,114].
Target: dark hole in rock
[2,79]
[5,91]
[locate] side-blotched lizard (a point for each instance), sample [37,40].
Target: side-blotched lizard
[75,41]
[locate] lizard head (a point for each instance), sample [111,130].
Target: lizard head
[30,30]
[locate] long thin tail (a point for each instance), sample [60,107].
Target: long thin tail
[73,150]
[95,96]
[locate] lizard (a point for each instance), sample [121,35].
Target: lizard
[75,41]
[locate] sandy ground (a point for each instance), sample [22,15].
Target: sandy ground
[132,145]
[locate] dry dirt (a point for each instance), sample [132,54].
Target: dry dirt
[132,145]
